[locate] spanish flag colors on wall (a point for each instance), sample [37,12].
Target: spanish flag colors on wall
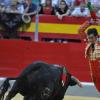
[52,25]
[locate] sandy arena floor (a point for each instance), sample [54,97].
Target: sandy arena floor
[19,97]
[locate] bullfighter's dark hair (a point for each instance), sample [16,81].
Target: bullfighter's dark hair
[92,31]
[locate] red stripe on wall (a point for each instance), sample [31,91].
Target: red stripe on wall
[49,35]
[62,35]
[67,19]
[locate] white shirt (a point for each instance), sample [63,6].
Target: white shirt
[42,1]
[77,12]
[20,8]
[96,3]
[98,13]
[7,2]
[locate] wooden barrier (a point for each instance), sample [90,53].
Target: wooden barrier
[15,55]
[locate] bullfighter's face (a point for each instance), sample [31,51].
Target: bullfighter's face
[91,38]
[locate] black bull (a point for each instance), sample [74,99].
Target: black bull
[39,81]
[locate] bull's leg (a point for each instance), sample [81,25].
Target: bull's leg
[14,90]
[11,94]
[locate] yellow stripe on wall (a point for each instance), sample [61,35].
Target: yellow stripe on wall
[57,28]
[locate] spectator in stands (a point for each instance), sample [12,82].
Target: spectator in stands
[12,6]
[36,1]
[80,10]
[98,13]
[96,10]
[95,3]
[68,2]
[7,2]
[47,8]
[4,4]
[21,1]
[31,6]
[20,6]
[15,7]
[78,2]
[42,1]
[2,7]
[61,10]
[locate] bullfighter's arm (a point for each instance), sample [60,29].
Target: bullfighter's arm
[82,29]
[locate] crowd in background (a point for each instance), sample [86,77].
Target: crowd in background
[28,8]
[59,8]
[17,6]
[75,8]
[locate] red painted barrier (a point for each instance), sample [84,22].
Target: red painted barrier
[15,55]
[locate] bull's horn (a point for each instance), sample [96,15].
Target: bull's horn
[26,19]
